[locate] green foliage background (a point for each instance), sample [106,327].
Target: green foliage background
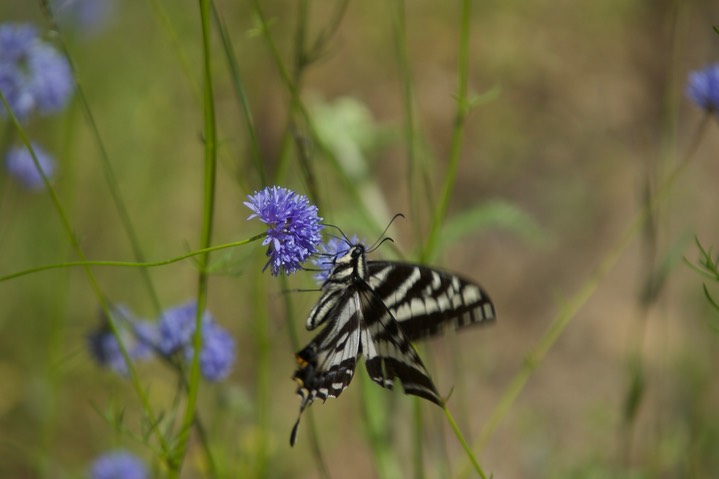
[577,118]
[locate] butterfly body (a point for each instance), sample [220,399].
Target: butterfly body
[375,309]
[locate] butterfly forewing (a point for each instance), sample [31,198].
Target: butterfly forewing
[426,301]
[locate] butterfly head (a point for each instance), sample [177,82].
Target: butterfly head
[352,264]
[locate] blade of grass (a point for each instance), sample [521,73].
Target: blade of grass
[129,264]
[77,248]
[239,86]
[460,116]
[576,302]
[310,419]
[210,171]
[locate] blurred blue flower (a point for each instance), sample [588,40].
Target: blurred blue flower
[104,347]
[33,75]
[16,39]
[218,352]
[293,231]
[20,165]
[703,87]
[176,329]
[90,16]
[329,252]
[118,465]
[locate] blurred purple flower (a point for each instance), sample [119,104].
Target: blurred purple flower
[20,165]
[33,75]
[104,347]
[176,329]
[90,16]
[703,87]
[293,231]
[118,465]
[218,352]
[329,252]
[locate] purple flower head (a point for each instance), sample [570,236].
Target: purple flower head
[175,332]
[703,87]
[330,251]
[20,165]
[33,75]
[118,465]
[293,227]
[16,39]
[104,347]
[176,327]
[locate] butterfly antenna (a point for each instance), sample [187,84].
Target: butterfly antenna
[344,236]
[382,237]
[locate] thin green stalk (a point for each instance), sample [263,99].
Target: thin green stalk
[210,169]
[347,183]
[408,121]
[263,373]
[77,248]
[110,177]
[175,41]
[239,86]
[400,40]
[417,429]
[457,131]
[464,443]
[310,418]
[129,264]
[576,302]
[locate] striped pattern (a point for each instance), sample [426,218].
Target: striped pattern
[376,308]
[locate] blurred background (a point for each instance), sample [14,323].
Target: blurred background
[581,112]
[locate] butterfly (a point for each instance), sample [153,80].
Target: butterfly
[375,309]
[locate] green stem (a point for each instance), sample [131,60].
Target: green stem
[572,307]
[310,418]
[210,137]
[110,178]
[457,131]
[464,443]
[129,264]
[239,86]
[77,248]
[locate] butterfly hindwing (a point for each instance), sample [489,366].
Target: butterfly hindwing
[387,352]
[327,364]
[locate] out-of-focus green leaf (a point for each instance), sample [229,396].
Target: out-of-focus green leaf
[655,282]
[492,214]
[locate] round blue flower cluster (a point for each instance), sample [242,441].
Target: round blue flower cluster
[170,337]
[293,227]
[20,165]
[33,75]
[703,87]
[118,465]
[105,348]
[174,336]
[34,78]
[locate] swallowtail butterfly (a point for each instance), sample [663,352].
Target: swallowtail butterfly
[375,309]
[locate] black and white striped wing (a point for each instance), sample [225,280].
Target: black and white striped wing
[327,363]
[388,353]
[427,301]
